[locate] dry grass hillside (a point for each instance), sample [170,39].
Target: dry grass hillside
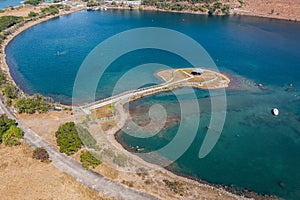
[285,9]
[25,178]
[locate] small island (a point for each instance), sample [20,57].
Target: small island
[195,77]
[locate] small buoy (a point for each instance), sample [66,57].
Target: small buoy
[275,111]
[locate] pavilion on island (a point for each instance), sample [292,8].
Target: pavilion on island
[197,72]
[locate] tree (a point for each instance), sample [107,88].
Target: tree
[68,139]
[12,135]
[5,124]
[33,2]
[51,10]
[92,3]
[8,21]
[10,91]
[32,14]
[40,154]
[31,105]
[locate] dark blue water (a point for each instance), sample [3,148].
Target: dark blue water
[8,3]
[256,150]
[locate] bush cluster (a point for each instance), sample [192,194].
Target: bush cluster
[51,10]
[206,6]
[40,154]
[33,2]
[36,103]
[10,134]
[174,186]
[88,160]
[68,139]
[8,21]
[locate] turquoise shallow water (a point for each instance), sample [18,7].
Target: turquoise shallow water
[256,150]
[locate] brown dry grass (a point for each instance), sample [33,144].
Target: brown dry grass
[46,124]
[104,111]
[185,73]
[108,124]
[107,171]
[20,11]
[196,79]
[179,75]
[285,9]
[25,178]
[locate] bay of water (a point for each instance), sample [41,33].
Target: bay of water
[256,150]
[8,3]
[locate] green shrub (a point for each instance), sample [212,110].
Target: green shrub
[51,10]
[33,2]
[10,91]
[36,103]
[8,21]
[33,14]
[3,79]
[174,186]
[88,160]
[92,3]
[68,139]
[12,135]
[5,124]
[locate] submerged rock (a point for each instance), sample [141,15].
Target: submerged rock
[281,184]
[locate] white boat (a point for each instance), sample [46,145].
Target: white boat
[275,111]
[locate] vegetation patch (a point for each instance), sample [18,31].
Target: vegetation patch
[33,2]
[204,6]
[108,124]
[86,138]
[36,103]
[92,3]
[12,136]
[120,160]
[104,111]
[8,21]
[174,186]
[51,10]
[5,124]
[40,154]
[68,139]
[32,14]
[88,160]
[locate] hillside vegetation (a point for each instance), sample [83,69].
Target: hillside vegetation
[203,6]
